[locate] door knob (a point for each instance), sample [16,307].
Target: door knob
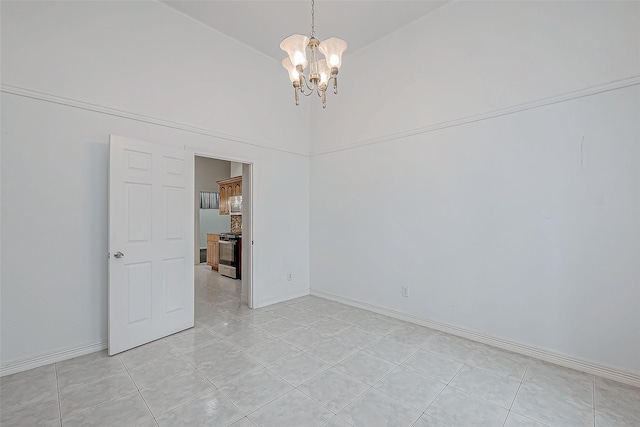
[118,255]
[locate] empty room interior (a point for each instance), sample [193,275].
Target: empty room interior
[320,213]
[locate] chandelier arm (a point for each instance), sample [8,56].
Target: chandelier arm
[306,83]
[301,89]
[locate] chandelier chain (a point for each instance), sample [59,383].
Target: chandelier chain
[313,19]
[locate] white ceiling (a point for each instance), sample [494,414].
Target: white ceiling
[263,24]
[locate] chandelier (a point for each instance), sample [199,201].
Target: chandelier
[321,70]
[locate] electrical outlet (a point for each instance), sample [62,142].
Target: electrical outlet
[405,291]
[289,277]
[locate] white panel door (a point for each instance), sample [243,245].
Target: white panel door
[151,283]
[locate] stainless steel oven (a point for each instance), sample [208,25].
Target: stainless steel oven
[230,255]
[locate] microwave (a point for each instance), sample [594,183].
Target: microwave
[235,205]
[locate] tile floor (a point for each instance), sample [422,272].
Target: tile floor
[309,362]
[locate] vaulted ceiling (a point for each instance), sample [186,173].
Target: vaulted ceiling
[263,24]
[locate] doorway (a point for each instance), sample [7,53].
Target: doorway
[151,237]
[222,232]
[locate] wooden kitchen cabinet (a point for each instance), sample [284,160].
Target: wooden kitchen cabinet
[224,204]
[213,250]
[228,188]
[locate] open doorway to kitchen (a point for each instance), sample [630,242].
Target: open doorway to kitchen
[223,229]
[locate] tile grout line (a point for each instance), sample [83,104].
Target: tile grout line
[397,365]
[382,336]
[331,366]
[306,350]
[211,382]
[106,401]
[520,383]
[60,419]
[429,378]
[563,397]
[265,367]
[321,404]
[309,379]
[514,399]
[442,391]
[138,390]
[245,415]
[400,400]
[517,391]
[145,401]
[491,372]
[296,388]
[478,397]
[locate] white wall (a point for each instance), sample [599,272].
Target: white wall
[524,226]
[146,58]
[503,229]
[468,58]
[207,172]
[236,169]
[122,58]
[211,222]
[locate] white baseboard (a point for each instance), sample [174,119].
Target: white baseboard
[546,355]
[48,358]
[281,298]
[71,352]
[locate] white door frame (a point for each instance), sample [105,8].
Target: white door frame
[201,152]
